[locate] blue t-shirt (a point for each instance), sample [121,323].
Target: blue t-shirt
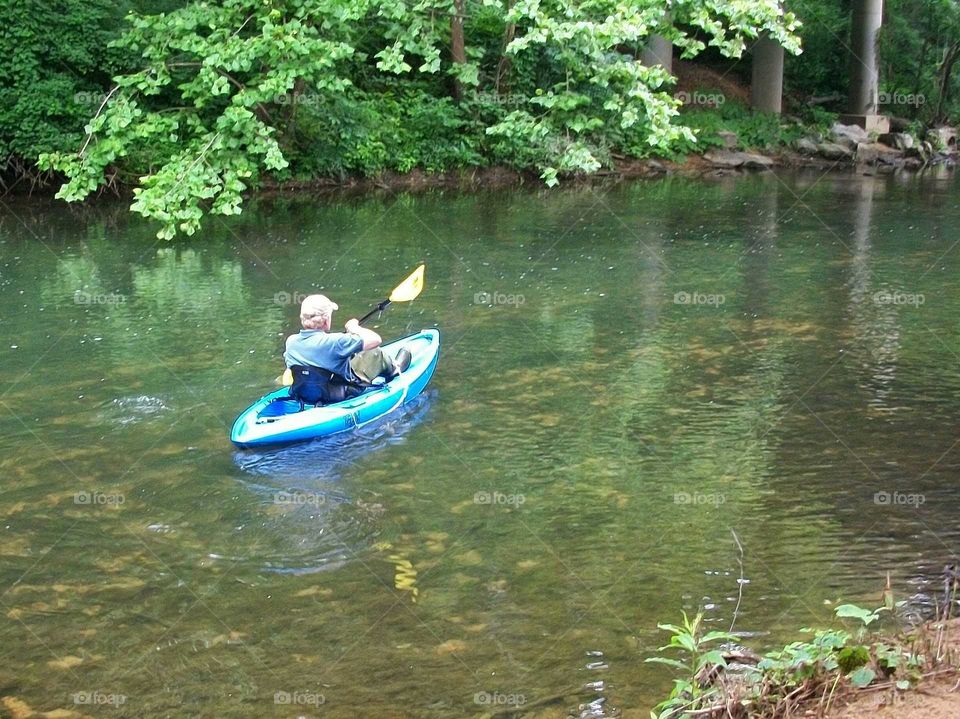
[326,350]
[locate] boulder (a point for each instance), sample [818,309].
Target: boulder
[922,151]
[834,151]
[899,140]
[899,124]
[876,152]
[730,139]
[943,137]
[728,158]
[848,135]
[806,146]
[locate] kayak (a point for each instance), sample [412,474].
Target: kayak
[276,418]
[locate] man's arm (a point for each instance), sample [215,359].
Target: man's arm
[371,340]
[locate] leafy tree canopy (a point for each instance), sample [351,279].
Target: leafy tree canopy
[227,93]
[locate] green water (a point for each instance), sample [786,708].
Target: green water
[591,440]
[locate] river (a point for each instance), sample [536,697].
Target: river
[738,396]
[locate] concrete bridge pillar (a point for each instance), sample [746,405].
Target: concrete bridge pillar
[862,104]
[659,51]
[766,86]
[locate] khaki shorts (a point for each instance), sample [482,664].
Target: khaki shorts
[370,364]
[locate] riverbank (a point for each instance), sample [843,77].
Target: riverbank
[713,163]
[838,674]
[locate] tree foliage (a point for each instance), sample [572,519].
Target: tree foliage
[54,64]
[227,93]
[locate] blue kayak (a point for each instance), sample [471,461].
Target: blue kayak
[277,419]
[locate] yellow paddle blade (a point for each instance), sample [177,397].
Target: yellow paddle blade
[285,380]
[409,288]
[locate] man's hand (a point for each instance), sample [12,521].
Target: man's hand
[370,338]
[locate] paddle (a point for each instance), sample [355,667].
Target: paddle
[406,291]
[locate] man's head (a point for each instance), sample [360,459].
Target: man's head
[316,312]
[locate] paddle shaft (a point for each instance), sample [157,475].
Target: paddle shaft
[378,308]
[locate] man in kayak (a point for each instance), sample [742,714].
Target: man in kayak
[329,366]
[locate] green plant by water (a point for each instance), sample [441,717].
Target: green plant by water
[714,670]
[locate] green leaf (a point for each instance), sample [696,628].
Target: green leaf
[669,662]
[714,657]
[852,611]
[862,677]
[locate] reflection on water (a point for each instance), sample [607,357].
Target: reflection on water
[305,464]
[677,360]
[306,507]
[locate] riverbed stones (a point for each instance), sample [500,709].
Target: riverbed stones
[921,151]
[899,140]
[731,159]
[873,153]
[806,146]
[848,135]
[835,151]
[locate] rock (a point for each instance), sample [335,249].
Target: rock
[899,140]
[727,158]
[921,151]
[899,124]
[753,161]
[875,152]
[848,135]
[913,163]
[806,146]
[834,151]
[730,139]
[943,137]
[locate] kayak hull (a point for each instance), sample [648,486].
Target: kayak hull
[275,420]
